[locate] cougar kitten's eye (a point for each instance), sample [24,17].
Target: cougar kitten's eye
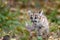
[31,17]
[39,11]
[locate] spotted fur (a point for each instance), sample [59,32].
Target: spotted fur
[40,23]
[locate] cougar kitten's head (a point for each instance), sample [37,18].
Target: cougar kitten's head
[34,16]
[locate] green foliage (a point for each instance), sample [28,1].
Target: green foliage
[39,38]
[59,0]
[25,34]
[24,1]
[53,17]
[8,20]
[54,28]
[37,5]
[58,22]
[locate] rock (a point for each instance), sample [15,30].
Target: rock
[13,39]
[51,38]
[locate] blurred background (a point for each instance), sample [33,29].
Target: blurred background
[13,15]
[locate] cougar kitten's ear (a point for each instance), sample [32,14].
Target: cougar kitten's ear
[30,12]
[41,12]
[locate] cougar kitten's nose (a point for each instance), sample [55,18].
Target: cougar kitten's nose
[35,17]
[35,21]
